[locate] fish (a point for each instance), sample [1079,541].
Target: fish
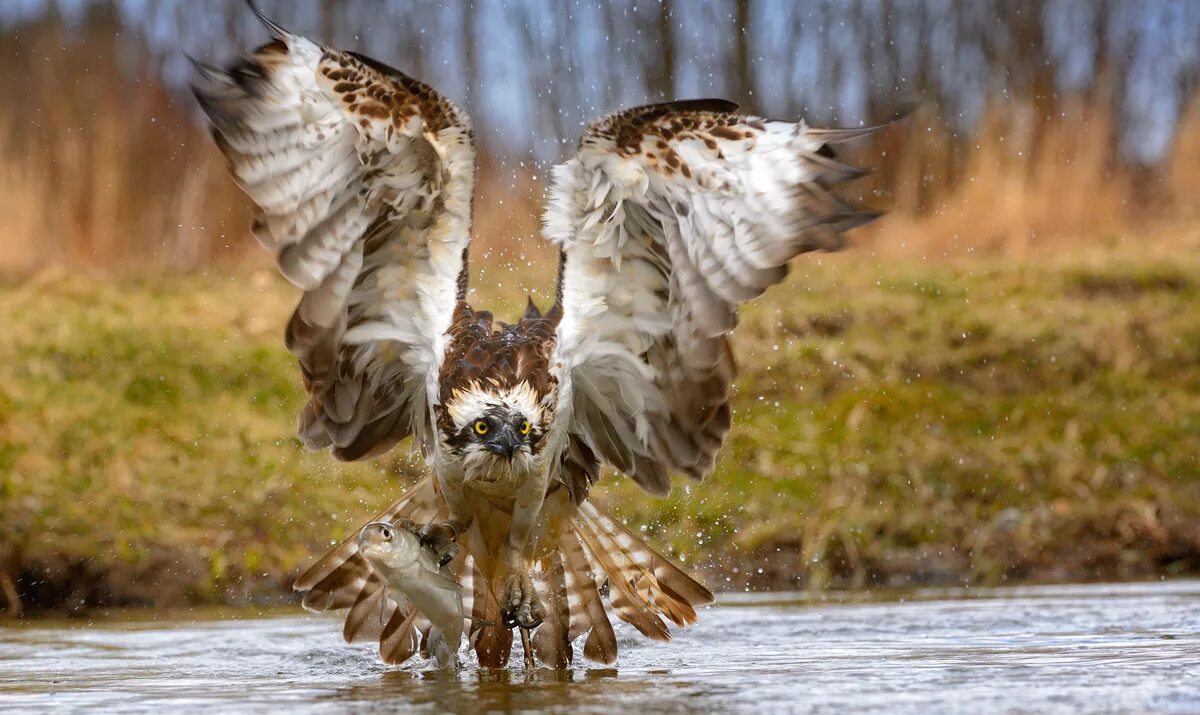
[420,573]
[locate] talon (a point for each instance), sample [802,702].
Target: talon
[434,533]
[439,538]
[521,605]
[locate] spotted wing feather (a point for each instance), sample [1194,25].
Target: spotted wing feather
[669,218]
[362,180]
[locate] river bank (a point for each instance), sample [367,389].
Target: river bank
[897,422]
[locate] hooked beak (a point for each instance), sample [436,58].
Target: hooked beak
[505,442]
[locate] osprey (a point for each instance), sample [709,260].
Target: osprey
[668,217]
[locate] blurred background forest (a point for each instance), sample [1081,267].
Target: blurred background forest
[999,380]
[1041,121]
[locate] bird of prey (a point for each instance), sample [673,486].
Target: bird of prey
[667,217]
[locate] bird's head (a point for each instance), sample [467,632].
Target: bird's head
[491,427]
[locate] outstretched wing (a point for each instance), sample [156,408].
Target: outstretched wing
[670,217]
[363,179]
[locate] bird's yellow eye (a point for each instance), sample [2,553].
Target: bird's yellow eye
[481,427]
[525,427]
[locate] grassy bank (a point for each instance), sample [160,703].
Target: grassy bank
[897,422]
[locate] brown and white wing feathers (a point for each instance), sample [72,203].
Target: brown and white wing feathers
[670,217]
[362,179]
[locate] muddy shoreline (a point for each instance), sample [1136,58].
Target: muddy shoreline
[77,589]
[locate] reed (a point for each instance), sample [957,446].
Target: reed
[116,175]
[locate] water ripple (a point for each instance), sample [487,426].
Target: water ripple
[1105,648]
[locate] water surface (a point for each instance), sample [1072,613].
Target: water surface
[1103,648]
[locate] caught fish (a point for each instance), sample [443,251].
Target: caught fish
[420,574]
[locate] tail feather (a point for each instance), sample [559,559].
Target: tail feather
[398,641]
[630,605]
[551,641]
[491,640]
[587,612]
[344,579]
[339,572]
[371,611]
[680,612]
[667,575]
[341,587]
[643,582]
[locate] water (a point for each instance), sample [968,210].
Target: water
[1125,648]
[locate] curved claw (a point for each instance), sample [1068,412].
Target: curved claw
[440,538]
[510,620]
[521,605]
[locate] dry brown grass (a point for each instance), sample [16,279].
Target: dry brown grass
[102,169]
[1022,187]
[115,175]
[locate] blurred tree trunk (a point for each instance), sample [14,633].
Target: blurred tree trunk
[743,72]
[329,12]
[470,56]
[660,78]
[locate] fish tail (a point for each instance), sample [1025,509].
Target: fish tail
[343,578]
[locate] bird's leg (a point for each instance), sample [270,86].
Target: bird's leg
[520,604]
[527,648]
[442,536]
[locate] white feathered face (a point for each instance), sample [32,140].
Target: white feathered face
[492,428]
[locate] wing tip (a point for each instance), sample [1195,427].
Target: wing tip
[275,28]
[838,136]
[653,484]
[206,70]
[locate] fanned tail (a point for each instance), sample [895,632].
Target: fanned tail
[586,549]
[344,579]
[587,614]
[674,593]
[552,640]
[643,584]
[490,639]
[398,641]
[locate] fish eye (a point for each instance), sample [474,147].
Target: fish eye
[481,427]
[385,532]
[525,426]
